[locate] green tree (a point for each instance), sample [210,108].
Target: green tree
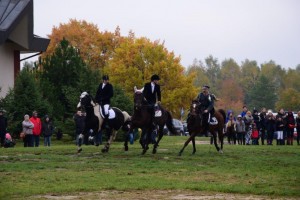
[63,77]
[262,94]
[24,98]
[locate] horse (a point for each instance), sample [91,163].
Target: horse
[142,118]
[194,125]
[94,119]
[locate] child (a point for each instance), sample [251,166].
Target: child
[8,141]
[254,135]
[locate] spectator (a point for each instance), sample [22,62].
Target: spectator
[3,127]
[254,135]
[244,112]
[279,130]
[79,126]
[298,126]
[230,129]
[248,119]
[37,129]
[263,115]
[8,141]
[47,130]
[27,130]
[290,128]
[281,113]
[240,129]
[270,127]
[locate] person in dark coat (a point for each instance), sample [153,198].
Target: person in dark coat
[104,93]
[263,115]
[290,128]
[152,95]
[282,114]
[47,130]
[151,91]
[3,127]
[298,127]
[270,127]
[207,107]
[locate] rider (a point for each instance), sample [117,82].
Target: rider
[104,93]
[206,101]
[152,95]
[152,92]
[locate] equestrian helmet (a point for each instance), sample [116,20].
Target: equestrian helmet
[155,77]
[205,86]
[105,77]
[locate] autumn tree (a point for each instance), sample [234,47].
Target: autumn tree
[137,59]
[289,99]
[95,47]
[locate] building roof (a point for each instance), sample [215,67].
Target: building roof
[14,14]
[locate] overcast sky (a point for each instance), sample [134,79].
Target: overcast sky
[260,30]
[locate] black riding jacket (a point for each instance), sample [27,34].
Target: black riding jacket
[207,102]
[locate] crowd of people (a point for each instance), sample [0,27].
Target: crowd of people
[244,129]
[248,127]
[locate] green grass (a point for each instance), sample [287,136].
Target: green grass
[257,170]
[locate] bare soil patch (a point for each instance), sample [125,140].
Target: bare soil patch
[155,194]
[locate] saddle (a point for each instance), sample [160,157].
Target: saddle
[212,120]
[111,113]
[157,111]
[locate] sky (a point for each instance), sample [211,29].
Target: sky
[260,30]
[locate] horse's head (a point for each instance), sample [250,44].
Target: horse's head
[195,108]
[139,98]
[85,100]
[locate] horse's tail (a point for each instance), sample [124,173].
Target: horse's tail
[223,114]
[169,123]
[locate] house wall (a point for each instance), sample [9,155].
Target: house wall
[6,68]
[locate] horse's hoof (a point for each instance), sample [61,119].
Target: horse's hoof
[180,153]
[79,150]
[126,148]
[193,152]
[154,151]
[104,150]
[221,152]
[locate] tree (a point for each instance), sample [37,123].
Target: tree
[23,99]
[136,60]
[289,99]
[95,47]
[262,94]
[230,70]
[64,75]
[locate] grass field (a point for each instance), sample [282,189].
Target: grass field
[267,171]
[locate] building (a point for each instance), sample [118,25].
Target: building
[16,37]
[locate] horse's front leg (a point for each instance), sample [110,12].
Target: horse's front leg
[109,141]
[192,136]
[160,135]
[147,139]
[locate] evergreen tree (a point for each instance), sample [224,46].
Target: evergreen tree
[262,94]
[23,99]
[63,76]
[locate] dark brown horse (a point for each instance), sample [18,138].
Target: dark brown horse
[142,118]
[194,125]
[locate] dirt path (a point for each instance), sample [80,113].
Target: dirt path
[155,195]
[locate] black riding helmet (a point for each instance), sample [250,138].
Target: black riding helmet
[105,77]
[155,77]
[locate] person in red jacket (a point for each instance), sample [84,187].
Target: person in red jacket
[37,128]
